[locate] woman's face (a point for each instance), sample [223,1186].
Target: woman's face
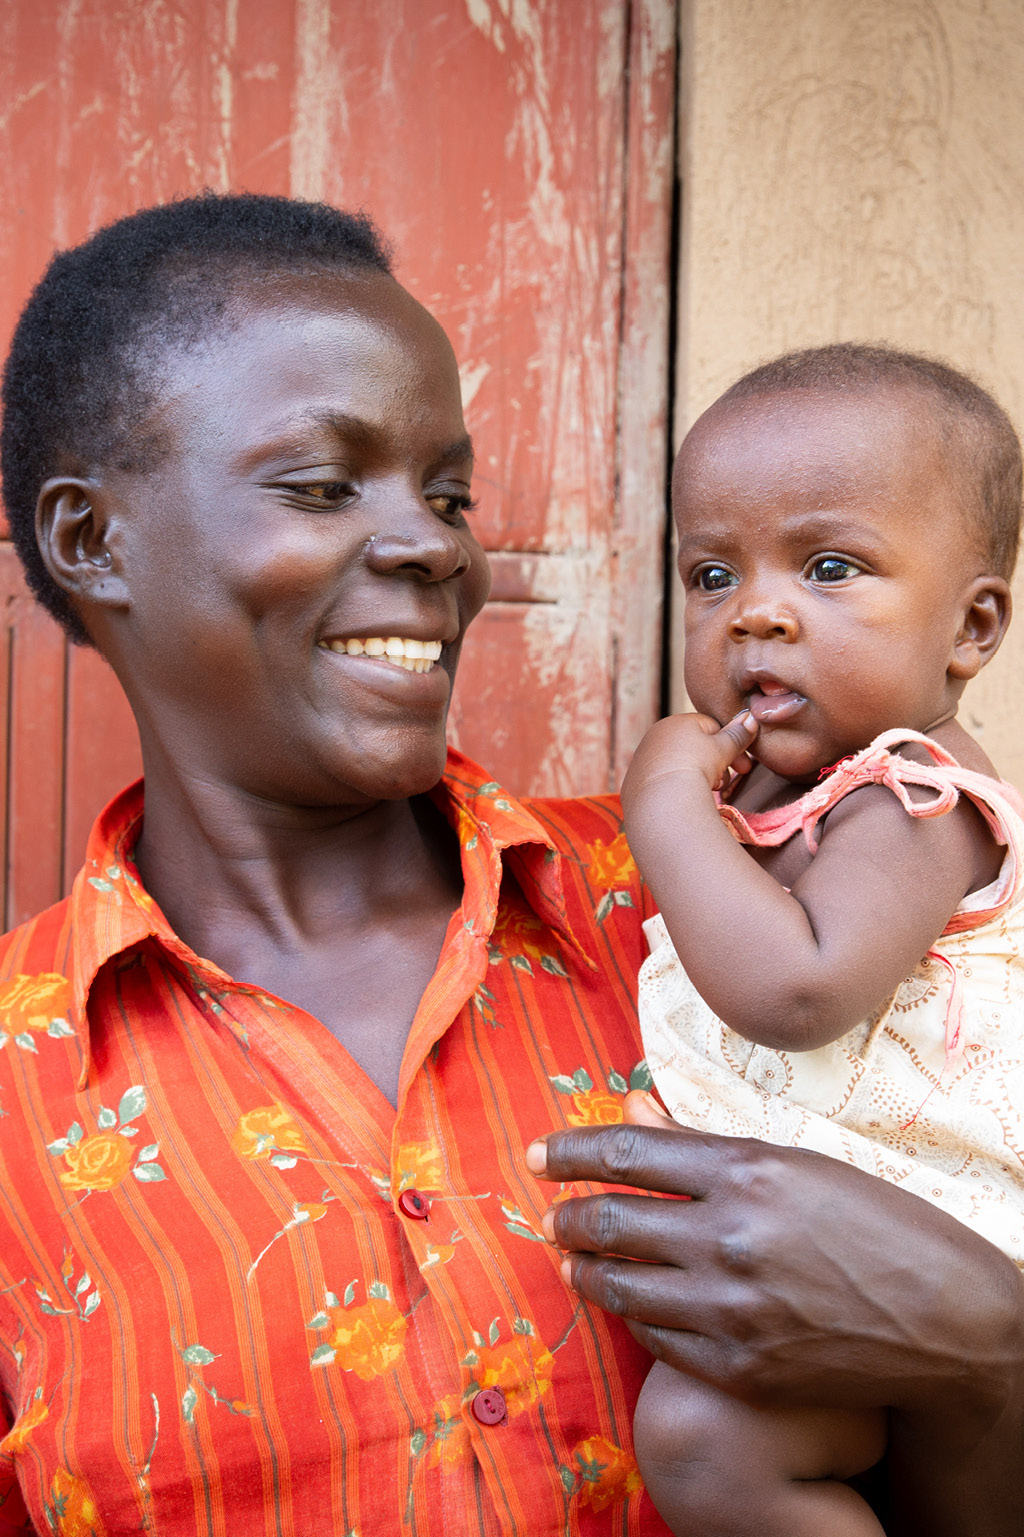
[311,499]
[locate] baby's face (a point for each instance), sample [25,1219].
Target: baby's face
[825,559]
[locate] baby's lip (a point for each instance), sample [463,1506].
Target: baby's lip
[771,702]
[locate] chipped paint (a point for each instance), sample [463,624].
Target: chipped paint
[311,115]
[471,376]
[480,14]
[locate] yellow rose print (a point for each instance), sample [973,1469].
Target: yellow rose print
[101,1160]
[98,1162]
[267,1130]
[518,933]
[596,1108]
[606,1473]
[71,1509]
[368,1339]
[17,1437]
[521,1367]
[611,864]
[420,1166]
[451,1441]
[31,1002]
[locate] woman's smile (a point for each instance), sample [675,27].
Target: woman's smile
[411,672]
[413,655]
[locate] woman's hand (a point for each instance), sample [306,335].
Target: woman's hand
[790,1278]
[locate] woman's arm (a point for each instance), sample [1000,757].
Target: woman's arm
[790,1278]
[791,969]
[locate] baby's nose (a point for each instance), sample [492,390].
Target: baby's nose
[764,621]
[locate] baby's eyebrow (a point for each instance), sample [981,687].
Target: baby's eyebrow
[833,524]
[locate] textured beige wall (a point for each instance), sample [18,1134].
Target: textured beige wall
[854,169]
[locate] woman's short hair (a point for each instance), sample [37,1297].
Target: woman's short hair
[84,364]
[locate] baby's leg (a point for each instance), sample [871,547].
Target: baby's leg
[715,1467]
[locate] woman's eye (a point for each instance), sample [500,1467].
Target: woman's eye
[324,493]
[832,568]
[715,578]
[451,505]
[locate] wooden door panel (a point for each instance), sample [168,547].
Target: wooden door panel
[101,749]
[68,743]
[35,748]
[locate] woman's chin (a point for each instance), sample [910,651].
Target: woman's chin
[394,769]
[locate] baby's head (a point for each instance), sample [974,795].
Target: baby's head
[848,520]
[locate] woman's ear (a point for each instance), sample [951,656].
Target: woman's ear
[78,541]
[986,617]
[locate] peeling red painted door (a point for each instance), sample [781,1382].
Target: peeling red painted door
[518,152]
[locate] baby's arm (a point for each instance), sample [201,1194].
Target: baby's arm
[791,970]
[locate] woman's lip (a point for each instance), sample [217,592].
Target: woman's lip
[388,676]
[772,709]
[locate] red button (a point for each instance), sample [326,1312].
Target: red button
[411,1203]
[489,1407]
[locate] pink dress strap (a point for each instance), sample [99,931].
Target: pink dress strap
[874,764]
[946,780]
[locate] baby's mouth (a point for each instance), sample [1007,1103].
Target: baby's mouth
[771,703]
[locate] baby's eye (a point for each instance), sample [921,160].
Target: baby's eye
[715,578]
[832,568]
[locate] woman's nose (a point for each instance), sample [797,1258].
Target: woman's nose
[422,545]
[764,621]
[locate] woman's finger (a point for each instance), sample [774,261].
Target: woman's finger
[689,1351]
[662,1296]
[667,1158]
[640,1108]
[673,1316]
[639,1226]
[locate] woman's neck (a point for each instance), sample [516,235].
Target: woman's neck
[231,870]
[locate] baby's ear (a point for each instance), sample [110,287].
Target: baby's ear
[987,609]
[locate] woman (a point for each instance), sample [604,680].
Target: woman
[271,1259]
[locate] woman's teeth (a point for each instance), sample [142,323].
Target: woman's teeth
[413,655]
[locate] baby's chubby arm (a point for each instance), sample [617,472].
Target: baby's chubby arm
[790,970]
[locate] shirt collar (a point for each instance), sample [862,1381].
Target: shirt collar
[111,911]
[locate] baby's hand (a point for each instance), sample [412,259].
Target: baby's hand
[690,744]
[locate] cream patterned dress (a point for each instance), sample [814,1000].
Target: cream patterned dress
[929,1092]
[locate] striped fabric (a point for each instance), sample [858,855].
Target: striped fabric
[239,1293]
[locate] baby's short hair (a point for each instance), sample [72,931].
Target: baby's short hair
[976,432]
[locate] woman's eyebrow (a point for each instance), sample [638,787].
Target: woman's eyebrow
[291,437]
[460,448]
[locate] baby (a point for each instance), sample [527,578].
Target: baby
[838,963]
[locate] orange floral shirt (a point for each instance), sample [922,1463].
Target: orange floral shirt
[239,1292]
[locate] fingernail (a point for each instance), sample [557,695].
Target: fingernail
[750,721]
[537,1156]
[547,1225]
[565,1271]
